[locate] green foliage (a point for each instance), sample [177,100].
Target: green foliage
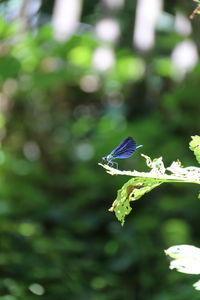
[57,240]
[195,146]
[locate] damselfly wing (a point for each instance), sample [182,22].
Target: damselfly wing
[125,149]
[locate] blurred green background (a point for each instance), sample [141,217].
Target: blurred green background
[75,79]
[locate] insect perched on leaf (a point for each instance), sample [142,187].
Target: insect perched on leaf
[124,150]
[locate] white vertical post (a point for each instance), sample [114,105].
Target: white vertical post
[66,16]
[147,13]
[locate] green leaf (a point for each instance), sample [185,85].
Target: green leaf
[195,146]
[133,190]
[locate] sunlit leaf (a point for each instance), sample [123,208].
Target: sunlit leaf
[186,258]
[195,146]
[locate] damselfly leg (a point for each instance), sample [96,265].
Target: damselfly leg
[113,164]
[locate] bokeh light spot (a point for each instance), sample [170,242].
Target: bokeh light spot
[10,86]
[80,56]
[84,151]
[98,283]
[114,4]
[130,68]
[89,83]
[27,229]
[108,30]
[31,151]
[37,289]
[184,58]
[104,59]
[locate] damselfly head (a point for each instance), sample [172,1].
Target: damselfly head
[104,159]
